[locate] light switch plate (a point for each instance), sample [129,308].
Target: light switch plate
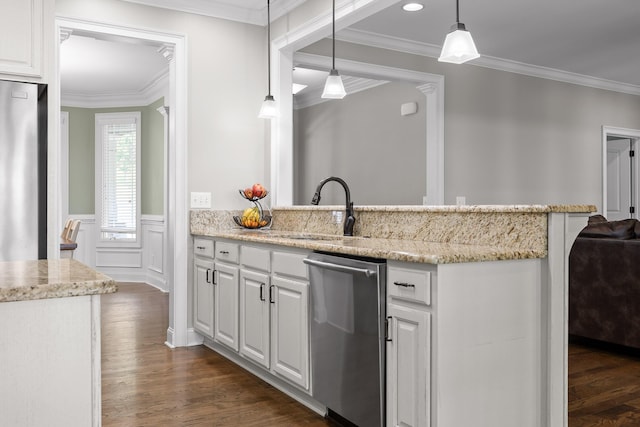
[200,200]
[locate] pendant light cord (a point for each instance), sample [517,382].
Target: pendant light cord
[268,48]
[457,11]
[334,35]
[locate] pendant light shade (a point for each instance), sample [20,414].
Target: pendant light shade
[333,87]
[268,109]
[458,45]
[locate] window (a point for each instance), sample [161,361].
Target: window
[118,178]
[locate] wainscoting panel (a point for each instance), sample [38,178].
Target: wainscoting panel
[128,258]
[146,264]
[153,229]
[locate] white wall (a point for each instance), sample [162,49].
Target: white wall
[227,83]
[511,138]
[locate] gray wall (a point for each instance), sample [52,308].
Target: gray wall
[364,140]
[511,138]
[82,158]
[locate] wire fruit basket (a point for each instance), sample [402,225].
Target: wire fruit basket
[253,218]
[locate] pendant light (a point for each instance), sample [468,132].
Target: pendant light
[268,109]
[333,87]
[458,45]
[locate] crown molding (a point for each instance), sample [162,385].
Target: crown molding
[155,90]
[433,51]
[226,10]
[352,85]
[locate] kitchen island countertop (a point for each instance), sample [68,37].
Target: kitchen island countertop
[392,249]
[42,279]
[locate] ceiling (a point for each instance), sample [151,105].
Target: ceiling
[588,39]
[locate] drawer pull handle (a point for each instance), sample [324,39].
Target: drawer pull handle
[387,336]
[202,248]
[404,284]
[271,300]
[224,252]
[213,277]
[262,285]
[208,271]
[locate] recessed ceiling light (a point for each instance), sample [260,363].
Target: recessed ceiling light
[412,7]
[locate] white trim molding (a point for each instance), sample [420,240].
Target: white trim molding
[621,132]
[176,209]
[433,51]
[431,86]
[155,90]
[226,10]
[319,26]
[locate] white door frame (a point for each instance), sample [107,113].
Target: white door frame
[430,85]
[634,135]
[348,12]
[176,212]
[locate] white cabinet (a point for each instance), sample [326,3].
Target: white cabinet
[408,345]
[21,32]
[274,312]
[254,300]
[255,314]
[226,295]
[203,297]
[290,329]
[408,367]
[203,286]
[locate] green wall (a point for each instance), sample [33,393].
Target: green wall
[82,158]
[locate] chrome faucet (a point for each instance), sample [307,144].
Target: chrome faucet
[350,220]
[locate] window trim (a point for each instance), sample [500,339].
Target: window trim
[102,119]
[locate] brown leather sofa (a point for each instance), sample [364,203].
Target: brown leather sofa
[604,282]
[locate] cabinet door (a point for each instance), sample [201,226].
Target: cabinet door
[408,367]
[21,26]
[203,297]
[290,329]
[225,311]
[254,316]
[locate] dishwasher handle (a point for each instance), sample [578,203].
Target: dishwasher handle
[339,267]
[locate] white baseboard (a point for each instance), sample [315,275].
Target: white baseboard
[194,338]
[170,338]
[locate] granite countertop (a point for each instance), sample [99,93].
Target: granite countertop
[41,279]
[390,249]
[451,208]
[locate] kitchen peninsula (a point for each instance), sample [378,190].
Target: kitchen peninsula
[476,302]
[50,337]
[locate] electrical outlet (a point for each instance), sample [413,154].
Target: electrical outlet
[200,200]
[461,200]
[337,216]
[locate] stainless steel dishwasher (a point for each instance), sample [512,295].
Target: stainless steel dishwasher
[347,316]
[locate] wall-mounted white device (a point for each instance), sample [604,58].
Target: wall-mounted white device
[408,108]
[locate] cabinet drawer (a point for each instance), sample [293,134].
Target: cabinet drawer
[411,284]
[255,258]
[290,264]
[203,247]
[226,251]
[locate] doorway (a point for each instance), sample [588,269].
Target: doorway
[620,173]
[175,218]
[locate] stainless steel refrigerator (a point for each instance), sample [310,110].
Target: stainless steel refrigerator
[23,171]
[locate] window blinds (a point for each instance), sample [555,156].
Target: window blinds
[119,176]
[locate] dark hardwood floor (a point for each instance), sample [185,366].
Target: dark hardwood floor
[604,386]
[144,383]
